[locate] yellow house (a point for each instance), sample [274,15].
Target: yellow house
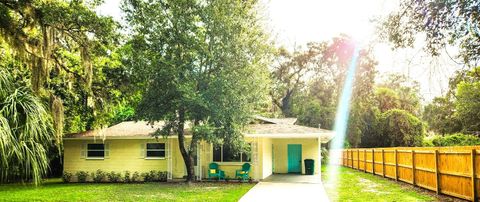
[277,146]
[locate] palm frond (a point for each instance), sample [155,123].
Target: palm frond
[25,132]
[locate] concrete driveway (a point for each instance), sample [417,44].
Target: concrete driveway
[287,187]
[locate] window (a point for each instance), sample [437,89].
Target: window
[95,150]
[155,150]
[225,154]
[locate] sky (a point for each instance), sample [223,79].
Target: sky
[297,22]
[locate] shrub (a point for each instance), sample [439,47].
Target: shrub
[400,128]
[155,176]
[81,176]
[162,176]
[127,178]
[99,176]
[114,176]
[67,177]
[324,155]
[136,177]
[146,177]
[457,139]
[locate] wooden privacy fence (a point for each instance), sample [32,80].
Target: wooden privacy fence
[453,171]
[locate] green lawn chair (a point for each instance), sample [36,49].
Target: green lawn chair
[215,172]
[243,173]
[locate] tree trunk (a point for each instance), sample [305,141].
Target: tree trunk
[187,156]
[286,104]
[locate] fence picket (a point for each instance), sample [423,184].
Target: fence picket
[446,170]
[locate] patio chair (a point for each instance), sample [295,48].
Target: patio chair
[215,172]
[244,172]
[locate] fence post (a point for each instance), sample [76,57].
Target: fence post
[373,161]
[437,182]
[348,158]
[358,159]
[413,167]
[351,155]
[353,159]
[383,163]
[364,160]
[396,165]
[474,194]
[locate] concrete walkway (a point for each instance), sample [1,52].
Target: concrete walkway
[287,187]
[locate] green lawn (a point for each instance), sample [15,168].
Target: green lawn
[353,185]
[54,190]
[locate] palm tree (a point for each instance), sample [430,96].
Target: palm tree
[25,132]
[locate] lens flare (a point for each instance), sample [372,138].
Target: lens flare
[341,121]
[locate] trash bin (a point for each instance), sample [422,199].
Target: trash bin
[309,166]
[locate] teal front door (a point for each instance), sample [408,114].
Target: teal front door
[294,158]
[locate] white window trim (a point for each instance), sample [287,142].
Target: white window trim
[155,157]
[230,162]
[95,158]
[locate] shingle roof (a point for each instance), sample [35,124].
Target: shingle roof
[289,121]
[127,128]
[282,128]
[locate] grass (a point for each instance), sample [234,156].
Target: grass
[353,185]
[55,190]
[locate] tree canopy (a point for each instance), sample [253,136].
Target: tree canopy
[205,66]
[441,22]
[65,48]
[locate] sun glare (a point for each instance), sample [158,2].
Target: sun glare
[304,21]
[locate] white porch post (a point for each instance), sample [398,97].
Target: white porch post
[199,161]
[169,159]
[320,157]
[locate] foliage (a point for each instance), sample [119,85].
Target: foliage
[386,99]
[324,155]
[400,128]
[467,104]
[200,62]
[402,92]
[136,177]
[67,177]
[440,116]
[127,177]
[313,114]
[65,49]
[81,176]
[308,82]
[99,176]
[114,176]
[458,110]
[289,74]
[155,176]
[25,132]
[442,22]
[54,190]
[457,139]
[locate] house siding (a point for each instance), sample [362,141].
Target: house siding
[309,151]
[230,167]
[125,155]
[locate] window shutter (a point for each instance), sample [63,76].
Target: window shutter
[208,153]
[107,150]
[83,150]
[142,150]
